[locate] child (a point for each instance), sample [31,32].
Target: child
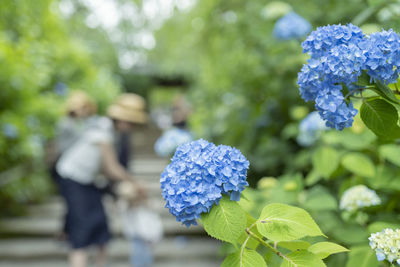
[141,226]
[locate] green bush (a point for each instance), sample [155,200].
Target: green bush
[41,62]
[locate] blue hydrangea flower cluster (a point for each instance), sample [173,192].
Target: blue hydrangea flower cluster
[197,177]
[168,142]
[10,131]
[60,89]
[339,54]
[310,129]
[386,245]
[291,26]
[358,197]
[383,56]
[322,40]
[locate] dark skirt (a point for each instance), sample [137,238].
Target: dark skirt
[85,221]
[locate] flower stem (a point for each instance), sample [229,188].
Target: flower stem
[351,92]
[273,248]
[253,235]
[396,91]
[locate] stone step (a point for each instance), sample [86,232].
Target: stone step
[148,166]
[46,219]
[48,226]
[147,177]
[179,248]
[54,207]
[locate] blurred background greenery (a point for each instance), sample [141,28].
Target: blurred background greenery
[222,55]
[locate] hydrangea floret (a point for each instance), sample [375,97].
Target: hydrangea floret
[358,197]
[291,26]
[386,245]
[310,129]
[170,140]
[10,131]
[339,54]
[60,89]
[383,56]
[199,174]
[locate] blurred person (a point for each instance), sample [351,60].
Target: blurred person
[78,166]
[180,112]
[79,108]
[80,111]
[141,226]
[178,134]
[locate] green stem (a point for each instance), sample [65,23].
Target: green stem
[357,97]
[352,92]
[277,252]
[397,89]
[253,235]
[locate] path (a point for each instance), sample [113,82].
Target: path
[29,239]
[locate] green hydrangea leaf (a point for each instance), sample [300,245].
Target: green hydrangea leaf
[325,161]
[359,164]
[390,152]
[350,234]
[324,249]
[381,117]
[318,199]
[281,222]
[244,258]
[362,256]
[384,91]
[225,221]
[386,178]
[294,245]
[313,177]
[252,243]
[302,258]
[349,139]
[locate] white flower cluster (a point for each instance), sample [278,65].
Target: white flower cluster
[386,245]
[358,196]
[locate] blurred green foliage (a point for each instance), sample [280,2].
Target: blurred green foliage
[41,62]
[244,94]
[244,89]
[338,161]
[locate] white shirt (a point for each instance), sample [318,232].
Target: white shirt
[68,131]
[82,161]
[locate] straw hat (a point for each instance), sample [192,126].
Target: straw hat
[128,107]
[78,100]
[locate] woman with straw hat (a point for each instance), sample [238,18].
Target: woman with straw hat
[79,107]
[80,110]
[80,113]
[93,153]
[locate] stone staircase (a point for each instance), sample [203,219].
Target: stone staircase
[28,241]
